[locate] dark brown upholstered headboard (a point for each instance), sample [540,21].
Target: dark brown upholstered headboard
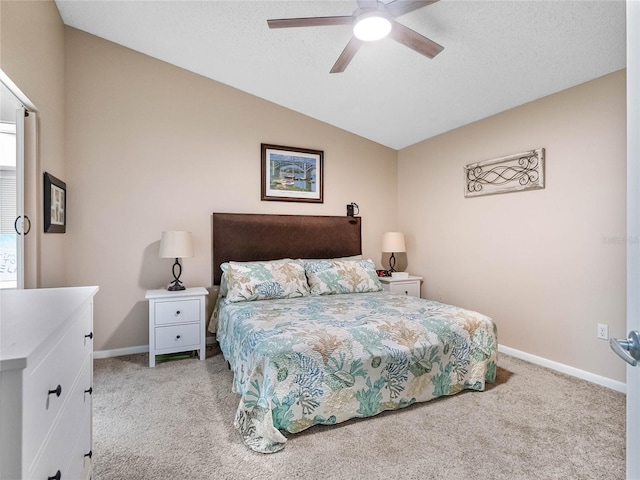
[247,237]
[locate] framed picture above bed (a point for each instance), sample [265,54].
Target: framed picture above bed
[291,174]
[55,204]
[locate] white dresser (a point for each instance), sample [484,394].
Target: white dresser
[46,376]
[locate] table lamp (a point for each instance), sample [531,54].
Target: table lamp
[393,242]
[176,245]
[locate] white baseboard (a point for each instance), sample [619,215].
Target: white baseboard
[118,352]
[560,367]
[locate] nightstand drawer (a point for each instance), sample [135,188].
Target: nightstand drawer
[177,336]
[409,285]
[410,288]
[177,311]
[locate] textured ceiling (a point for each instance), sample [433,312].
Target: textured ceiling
[497,55]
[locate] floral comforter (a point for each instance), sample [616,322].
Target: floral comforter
[325,359]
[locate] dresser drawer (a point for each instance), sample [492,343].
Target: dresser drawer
[177,336]
[60,367]
[59,445]
[409,288]
[80,466]
[177,311]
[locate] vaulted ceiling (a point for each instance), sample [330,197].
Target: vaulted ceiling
[497,55]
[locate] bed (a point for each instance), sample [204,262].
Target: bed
[311,337]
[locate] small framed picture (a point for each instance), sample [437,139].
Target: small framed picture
[55,204]
[291,174]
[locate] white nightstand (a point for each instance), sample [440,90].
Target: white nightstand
[404,286]
[176,321]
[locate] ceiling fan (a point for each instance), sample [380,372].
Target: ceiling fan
[372,20]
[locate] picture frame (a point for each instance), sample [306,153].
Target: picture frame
[55,204]
[291,174]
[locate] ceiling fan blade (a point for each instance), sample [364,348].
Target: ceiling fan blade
[367,4]
[414,40]
[400,7]
[309,22]
[347,55]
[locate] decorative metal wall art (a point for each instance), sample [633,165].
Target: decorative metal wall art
[521,171]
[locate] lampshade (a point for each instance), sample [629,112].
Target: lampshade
[371,26]
[176,245]
[393,242]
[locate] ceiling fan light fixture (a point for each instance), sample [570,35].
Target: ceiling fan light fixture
[371,26]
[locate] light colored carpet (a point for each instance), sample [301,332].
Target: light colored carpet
[176,422]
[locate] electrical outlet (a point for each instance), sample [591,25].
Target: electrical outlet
[603,331]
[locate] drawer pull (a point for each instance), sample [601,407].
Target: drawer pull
[89,391]
[90,454]
[177,337]
[406,292]
[178,312]
[57,391]
[57,476]
[89,335]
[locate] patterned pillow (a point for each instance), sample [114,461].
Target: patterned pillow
[248,281]
[223,280]
[327,277]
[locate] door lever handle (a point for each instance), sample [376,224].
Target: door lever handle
[629,349]
[15,225]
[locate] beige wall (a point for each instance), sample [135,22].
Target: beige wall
[151,147]
[32,55]
[547,265]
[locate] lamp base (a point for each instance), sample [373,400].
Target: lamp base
[392,263]
[176,285]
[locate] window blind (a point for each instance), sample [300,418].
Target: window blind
[8,211]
